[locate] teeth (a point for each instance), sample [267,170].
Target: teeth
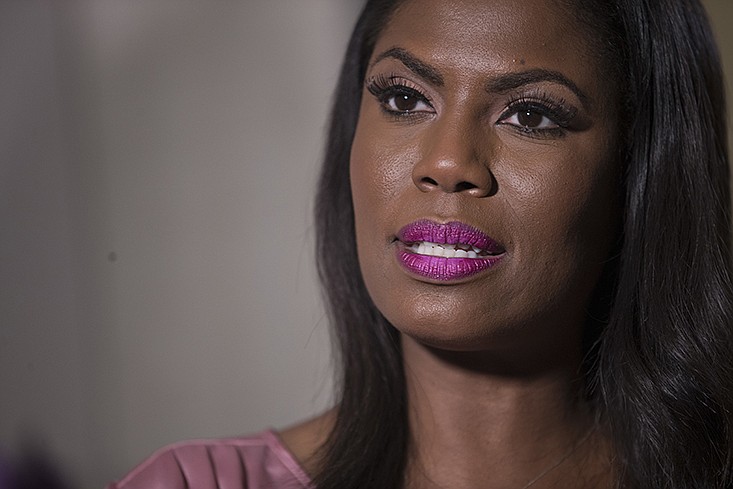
[445,250]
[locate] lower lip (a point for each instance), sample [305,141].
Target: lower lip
[443,269]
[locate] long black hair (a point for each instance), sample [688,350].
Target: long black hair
[659,367]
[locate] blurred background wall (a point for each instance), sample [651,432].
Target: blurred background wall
[157,166]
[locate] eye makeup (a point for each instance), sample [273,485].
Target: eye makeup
[536,113]
[398,96]
[531,111]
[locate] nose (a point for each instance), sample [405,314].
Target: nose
[453,162]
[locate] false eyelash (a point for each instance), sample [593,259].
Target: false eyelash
[379,84]
[382,87]
[556,110]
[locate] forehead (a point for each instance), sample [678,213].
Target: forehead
[494,36]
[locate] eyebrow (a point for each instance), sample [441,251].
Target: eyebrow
[500,84]
[418,67]
[512,81]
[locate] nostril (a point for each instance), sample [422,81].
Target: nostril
[461,186]
[429,181]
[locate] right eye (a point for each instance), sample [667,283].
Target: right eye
[397,98]
[404,100]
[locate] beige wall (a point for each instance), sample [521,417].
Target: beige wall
[721,16]
[157,165]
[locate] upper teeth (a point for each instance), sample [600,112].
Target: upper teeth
[445,250]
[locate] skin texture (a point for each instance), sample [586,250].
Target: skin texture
[491,359]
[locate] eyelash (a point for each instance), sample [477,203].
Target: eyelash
[385,88]
[556,111]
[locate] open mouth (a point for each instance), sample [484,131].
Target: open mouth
[446,252]
[458,250]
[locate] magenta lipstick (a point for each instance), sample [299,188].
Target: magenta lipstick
[446,252]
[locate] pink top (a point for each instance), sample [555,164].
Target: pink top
[256,462]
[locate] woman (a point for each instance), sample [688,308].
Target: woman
[524,238]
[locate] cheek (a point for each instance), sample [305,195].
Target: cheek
[562,192]
[382,189]
[584,204]
[566,219]
[380,171]
[373,176]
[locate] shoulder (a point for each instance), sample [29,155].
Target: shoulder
[255,462]
[305,439]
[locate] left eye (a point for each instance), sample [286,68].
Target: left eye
[529,118]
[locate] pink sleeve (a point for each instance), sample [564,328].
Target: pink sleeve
[257,462]
[188,466]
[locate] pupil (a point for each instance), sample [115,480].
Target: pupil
[405,102]
[527,118]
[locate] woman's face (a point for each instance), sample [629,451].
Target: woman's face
[483,173]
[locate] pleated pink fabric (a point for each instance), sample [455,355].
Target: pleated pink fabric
[255,462]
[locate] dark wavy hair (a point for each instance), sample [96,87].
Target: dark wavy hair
[659,368]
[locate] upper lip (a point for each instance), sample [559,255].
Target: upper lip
[453,232]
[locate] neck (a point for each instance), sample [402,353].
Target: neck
[478,422]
